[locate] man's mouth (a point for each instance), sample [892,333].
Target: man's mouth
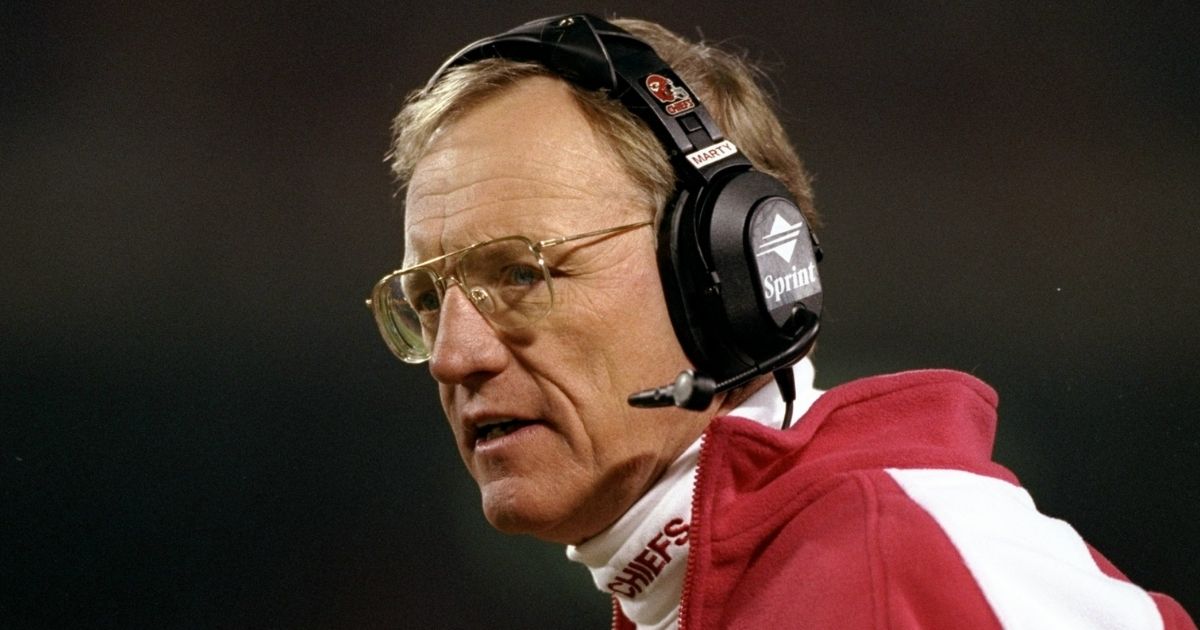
[498,429]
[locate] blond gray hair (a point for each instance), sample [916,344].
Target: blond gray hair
[726,83]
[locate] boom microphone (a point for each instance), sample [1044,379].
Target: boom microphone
[689,391]
[695,392]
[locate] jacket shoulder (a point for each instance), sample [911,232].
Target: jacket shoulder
[859,555]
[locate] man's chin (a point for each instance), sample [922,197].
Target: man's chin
[517,506]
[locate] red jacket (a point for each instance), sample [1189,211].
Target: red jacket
[881,508]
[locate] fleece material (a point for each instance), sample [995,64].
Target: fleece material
[881,508]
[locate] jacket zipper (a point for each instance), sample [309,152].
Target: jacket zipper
[689,574]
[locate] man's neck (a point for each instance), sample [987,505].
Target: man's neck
[641,558]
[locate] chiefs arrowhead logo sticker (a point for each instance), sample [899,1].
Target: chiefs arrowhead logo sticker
[674,98]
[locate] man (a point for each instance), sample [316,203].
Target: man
[540,282]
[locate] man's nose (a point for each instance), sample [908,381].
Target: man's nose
[466,347]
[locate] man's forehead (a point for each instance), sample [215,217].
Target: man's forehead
[489,196]
[464,175]
[513,165]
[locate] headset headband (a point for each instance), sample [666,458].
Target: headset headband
[596,55]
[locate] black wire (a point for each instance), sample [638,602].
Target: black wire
[787,416]
[787,388]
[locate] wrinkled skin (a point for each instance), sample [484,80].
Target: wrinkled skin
[525,161]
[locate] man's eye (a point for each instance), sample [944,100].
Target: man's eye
[521,275]
[427,302]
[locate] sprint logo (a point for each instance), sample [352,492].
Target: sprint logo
[794,283]
[781,239]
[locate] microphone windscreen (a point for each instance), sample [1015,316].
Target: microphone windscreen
[657,397]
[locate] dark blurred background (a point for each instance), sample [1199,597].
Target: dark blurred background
[199,427]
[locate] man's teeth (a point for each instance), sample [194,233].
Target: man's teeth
[499,429]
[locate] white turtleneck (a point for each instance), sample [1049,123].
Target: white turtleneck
[642,557]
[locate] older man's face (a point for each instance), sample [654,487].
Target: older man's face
[526,162]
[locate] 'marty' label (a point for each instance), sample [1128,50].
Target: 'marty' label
[713,153]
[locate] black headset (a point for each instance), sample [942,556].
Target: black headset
[737,259]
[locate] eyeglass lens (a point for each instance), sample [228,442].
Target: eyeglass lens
[504,279]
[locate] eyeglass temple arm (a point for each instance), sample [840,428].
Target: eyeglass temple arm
[564,239]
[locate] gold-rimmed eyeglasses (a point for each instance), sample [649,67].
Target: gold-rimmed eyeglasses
[506,279]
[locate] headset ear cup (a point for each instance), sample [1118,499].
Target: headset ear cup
[738,265]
